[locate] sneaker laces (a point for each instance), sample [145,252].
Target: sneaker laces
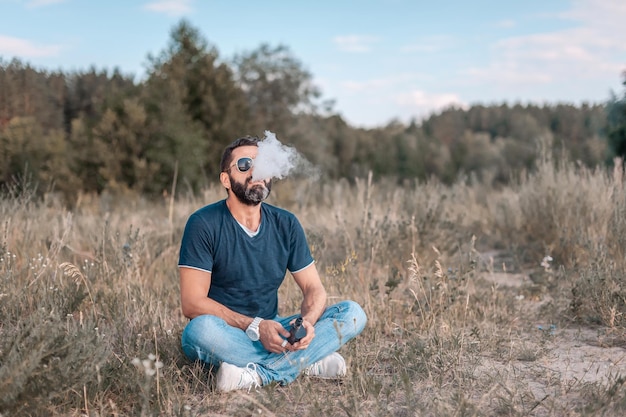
[314,369]
[250,370]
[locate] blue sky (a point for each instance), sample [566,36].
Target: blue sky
[378,59]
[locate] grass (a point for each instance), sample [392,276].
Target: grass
[90,319]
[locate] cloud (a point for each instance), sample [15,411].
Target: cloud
[32,4]
[169,7]
[26,49]
[506,24]
[434,43]
[368,85]
[509,74]
[605,15]
[374,84]
[421,102]
[355,43]
[585,50]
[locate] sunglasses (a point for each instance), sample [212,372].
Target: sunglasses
[243,164]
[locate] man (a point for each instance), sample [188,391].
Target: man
[233,258]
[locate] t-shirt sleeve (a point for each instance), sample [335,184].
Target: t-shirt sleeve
[300,256]
[196,248]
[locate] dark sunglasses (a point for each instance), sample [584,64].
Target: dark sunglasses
[243,164]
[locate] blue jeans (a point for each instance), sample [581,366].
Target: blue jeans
[209,339]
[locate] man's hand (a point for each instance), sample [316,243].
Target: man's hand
[306,340]
[272,334]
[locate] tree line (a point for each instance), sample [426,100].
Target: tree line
[95,130]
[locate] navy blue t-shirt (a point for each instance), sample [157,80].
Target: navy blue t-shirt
[246,272]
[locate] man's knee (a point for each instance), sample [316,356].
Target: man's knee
[198,330]
[353,315]
[199,337]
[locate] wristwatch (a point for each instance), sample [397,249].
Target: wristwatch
[253,329]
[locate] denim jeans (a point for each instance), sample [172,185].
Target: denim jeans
[209,339]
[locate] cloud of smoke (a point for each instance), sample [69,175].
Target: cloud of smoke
[275,160]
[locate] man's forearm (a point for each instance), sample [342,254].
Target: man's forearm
[313,305]
[212,307]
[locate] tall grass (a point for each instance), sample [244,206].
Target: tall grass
[90,320]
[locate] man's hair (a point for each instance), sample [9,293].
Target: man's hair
[228,151]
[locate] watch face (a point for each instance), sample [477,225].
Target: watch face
[253,334]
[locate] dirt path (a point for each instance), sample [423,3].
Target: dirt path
[556,369]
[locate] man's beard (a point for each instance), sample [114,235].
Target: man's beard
[253,195]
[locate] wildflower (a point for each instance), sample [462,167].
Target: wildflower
[545,262]
[149,366]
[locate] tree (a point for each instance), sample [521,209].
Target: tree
[123,128]
[616,125]
[90,97]
[89,93]
[193,107]
[276,87]
[27,92]
[26,149]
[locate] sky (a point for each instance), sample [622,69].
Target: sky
[379,60]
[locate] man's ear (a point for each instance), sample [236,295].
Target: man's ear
[225,180]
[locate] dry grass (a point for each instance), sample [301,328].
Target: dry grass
[463,318]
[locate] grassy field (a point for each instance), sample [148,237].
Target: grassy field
[481,302]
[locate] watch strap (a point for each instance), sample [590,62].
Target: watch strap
[256,322]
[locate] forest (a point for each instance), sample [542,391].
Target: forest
[486,244]
[98,130]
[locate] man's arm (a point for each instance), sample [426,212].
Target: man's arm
[194,287]
[313,292]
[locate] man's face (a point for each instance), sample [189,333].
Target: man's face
[248,192]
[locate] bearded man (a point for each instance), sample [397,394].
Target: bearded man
[234,256]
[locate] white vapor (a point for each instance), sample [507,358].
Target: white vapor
[275,160]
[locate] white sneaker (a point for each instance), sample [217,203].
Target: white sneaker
[331,367]
[231,377]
